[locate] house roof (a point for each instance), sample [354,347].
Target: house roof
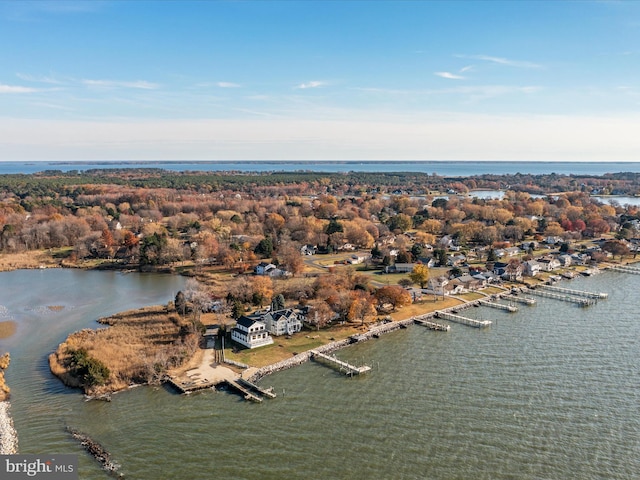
[247,321]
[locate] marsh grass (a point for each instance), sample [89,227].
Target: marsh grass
[138,346]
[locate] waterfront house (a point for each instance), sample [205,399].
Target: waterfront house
[467,282]
[549,264]
[282,322]
[437,286]
[565,260]
[532,268]
[251,332]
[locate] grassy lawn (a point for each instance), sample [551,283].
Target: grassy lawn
[284,348]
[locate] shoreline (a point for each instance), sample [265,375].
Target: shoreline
[8,434]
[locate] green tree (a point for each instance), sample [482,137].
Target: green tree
[277,303]
[264,248]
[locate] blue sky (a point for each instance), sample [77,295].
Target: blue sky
[325,80]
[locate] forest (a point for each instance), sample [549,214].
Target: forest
[229,222]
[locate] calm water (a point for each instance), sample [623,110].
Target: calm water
[443,168]
[551,392]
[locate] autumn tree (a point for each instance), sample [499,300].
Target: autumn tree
[393,295]
[262,287]
[420,275]
[361,308]
[320,314]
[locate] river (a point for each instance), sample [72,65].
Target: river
[550,392]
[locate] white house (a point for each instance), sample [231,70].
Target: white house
[549,264]
[282,322]
[532,268]
[437,286]
[263,268]
[251,333]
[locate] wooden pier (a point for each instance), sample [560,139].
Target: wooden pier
[577,293]
[267,392]
[625,269]
[463,320]
[245,391]
[523,300]
[499,306]
[583,302]
[432,325]
[344,366]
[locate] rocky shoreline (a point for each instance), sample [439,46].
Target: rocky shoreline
[8,434]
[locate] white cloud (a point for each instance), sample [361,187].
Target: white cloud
[468,68]
[502,61]
[449,75]
[141,84]
[227,85]
[39,79]
[16,89]
[312,84]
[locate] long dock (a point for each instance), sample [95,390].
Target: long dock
[523,300]
[499,306]
[432,325]
[583,302]
[463,320]
[344,366]
[577,293]
[625,269]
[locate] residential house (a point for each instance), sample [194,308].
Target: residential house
[403,267]
[467,282]
[251,332]
[356,259]
[282,322]
[437,286]
[532,268]
[456,260]
[308,249]
[565,260]
[549,264]
[512,251]
[263,268]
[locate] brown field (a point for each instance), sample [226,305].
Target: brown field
[137,347]
[32,259]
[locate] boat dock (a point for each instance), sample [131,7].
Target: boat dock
[463,320]
[499,306]
[243,390]
[267,392]
[583,302]
[577,293]
[523,300]
[432,325]
[344,366]
[625,269]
